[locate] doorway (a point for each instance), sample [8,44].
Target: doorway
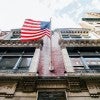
[51,95]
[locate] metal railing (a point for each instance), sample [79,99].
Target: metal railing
[13,71]
[87,70]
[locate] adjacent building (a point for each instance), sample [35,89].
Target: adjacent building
[92,21]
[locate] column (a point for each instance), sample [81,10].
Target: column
[67,61]
[35,61]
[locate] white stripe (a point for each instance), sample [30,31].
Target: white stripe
[30,32]
[31,28]
[23,38]
[31,25]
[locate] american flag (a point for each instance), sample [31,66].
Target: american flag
[34,30]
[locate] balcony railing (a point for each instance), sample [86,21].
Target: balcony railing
[76,71]
[13,71]
[87,70]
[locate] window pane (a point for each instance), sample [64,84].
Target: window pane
[95,68]
[17,51]
[51,95]
[93,61]
[76,62]
[25,63]
[14,53]
[29,53]
[8,63]
[75,36]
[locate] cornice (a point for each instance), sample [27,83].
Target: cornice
[17,43]
[79,43]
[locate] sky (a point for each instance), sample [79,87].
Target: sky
[63,13]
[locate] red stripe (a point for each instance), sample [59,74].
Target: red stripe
[29,40]
[32,31]
[32,38]
[26,31]
[31,20]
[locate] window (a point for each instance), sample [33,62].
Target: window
[85,59]
[75,36]
[65,36]
[15,33]
[77,63]
[51,95]
[95,68]
[16,58]
[25,63]
[93,63]
[8,62]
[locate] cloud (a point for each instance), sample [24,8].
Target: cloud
[64,13]
[59,19]
[14,12]
[65,21]
[96,4]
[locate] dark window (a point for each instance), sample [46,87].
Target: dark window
[75,36]
[95,68]
[25,63]
[65,36]
[16,58]
[86,59]
[8,62]
[77,63]
[93,63]
[54,95]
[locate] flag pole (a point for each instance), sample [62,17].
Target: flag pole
[51,68]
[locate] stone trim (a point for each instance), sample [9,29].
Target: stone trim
[79,43]
[35,61]
[67,62]
[17,43]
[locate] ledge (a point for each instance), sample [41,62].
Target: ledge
[79,43]
[17,43]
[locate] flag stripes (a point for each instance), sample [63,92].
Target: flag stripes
[34,30]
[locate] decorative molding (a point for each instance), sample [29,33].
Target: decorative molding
[79,43]
[74,84]
[17,43]
[8,89]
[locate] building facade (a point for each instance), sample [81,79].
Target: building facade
[74,55]
[92,21]
[80,50]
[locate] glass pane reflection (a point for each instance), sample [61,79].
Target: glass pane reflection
[8,63]
[25,63]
